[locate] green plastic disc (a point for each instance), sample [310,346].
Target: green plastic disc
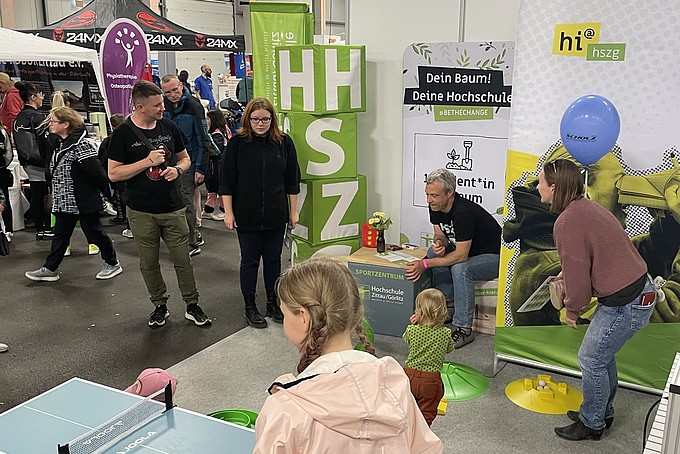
[245,418]
[462,382]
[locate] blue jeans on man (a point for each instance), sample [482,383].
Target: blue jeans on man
[457,283]
[609,330]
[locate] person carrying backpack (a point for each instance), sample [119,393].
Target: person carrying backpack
[28,131]
[6,180]
[219,136]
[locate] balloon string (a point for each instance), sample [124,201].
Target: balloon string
[585,186]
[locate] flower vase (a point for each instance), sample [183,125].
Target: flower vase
[380,243]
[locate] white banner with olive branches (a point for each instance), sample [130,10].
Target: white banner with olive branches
[456,116]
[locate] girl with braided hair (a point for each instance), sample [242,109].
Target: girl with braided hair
[342,399]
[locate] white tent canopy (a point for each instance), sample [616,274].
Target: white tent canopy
[18,47]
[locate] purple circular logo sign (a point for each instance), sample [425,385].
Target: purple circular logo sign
[124,55]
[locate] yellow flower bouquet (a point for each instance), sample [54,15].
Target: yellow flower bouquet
[380,221]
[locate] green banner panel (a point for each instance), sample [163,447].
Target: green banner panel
[321,79]
[326,145]
[558,346]
[279,7]
[301,250]
[275,24]
[331,210]
[462,113]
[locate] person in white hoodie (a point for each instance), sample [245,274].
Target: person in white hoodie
[343,400]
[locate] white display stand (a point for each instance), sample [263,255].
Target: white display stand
[223,92]
[227,89]
[17,199]
[664,437]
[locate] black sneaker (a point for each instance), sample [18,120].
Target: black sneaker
[196,315]
[158,316]
[44,235]
[117,220]
[461,337]
[199,240]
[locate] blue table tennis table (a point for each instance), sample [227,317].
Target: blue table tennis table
[78,406]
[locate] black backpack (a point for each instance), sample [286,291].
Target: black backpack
[6,154]
[26,140]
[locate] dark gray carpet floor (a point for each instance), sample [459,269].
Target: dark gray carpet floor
[98,330]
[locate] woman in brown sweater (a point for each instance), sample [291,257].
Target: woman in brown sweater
[598,260]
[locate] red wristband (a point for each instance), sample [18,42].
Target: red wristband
[425,263]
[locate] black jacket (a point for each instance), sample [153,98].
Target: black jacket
[29,137]
[3,201]
[189,116]
[88,175]
[260,175]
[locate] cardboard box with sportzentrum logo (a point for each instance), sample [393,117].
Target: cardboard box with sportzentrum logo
[388,297]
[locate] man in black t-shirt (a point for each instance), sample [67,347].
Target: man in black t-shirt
[148,153]
[465,248]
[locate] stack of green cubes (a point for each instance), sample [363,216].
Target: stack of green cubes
[320,89]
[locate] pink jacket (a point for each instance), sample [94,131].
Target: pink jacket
[356,404]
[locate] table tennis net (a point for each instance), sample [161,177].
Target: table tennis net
[121,425]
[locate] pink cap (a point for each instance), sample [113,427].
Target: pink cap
[151,381]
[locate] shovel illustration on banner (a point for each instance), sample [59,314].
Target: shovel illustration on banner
[466,162]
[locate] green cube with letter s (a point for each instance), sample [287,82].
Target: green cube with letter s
[326,144]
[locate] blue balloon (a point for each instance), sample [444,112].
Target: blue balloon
[589,128]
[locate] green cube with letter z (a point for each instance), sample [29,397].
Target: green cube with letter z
[331,210]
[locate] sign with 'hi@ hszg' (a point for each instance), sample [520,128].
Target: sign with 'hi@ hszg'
[331,210]
[321,79]
[326,145]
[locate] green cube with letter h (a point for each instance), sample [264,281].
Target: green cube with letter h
[321,79]
[326,144]
[331,210]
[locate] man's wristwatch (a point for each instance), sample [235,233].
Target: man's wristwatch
[180,171]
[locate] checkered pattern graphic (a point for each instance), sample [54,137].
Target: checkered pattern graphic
[638,218]
[63,190]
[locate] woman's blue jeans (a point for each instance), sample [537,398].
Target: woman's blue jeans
[609,330]
[457,283]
